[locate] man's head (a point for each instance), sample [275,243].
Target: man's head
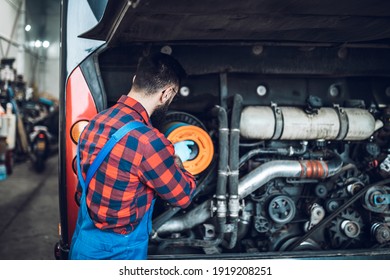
[158,78]
[158,72]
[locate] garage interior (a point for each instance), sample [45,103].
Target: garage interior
[305,166]
[29,90]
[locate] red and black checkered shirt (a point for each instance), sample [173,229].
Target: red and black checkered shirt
[139,166]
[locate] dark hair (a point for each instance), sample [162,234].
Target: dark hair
[156,71]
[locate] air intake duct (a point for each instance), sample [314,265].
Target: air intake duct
[203,150]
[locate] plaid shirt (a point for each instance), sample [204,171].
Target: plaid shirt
[139,166]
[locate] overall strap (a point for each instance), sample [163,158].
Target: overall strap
[115,138]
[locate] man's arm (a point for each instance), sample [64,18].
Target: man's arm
[163,171]
[178,162]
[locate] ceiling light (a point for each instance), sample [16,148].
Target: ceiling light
[46,44]
[38,44]
[28,27]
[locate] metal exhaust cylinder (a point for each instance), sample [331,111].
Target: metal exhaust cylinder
[292,123]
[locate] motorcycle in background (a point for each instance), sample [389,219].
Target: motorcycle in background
[40,117]
[40,139]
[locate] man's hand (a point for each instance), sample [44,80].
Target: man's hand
[182,150]
[178,162]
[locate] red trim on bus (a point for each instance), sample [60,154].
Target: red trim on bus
[79,106]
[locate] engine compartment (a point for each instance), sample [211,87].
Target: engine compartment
[297,147]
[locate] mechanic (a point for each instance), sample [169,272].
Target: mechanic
[121,177]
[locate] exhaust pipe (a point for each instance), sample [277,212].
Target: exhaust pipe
[314,169]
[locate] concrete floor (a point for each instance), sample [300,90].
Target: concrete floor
[29,212]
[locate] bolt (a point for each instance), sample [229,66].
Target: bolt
[184,91]
[385,234]
[334,90]
[342,53]
[166,50]
[261,90]
[379,199]
[257,50]
[387,91]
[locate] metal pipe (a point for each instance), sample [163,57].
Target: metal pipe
[234,204]
[266,172]
[222,171]
[223,163]
[194,217]
[287,169]
[14,27]
[190,242]
[9,41]
[291,151]
[234,154]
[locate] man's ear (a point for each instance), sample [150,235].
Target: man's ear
[165,94]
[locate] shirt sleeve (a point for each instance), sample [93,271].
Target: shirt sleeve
[159,172]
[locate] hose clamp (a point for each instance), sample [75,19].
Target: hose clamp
[278,114]
[234,206]
[344,125]
[221,208]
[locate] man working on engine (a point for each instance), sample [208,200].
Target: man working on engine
[122,176]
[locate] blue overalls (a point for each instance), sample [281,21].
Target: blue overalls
[88,241]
